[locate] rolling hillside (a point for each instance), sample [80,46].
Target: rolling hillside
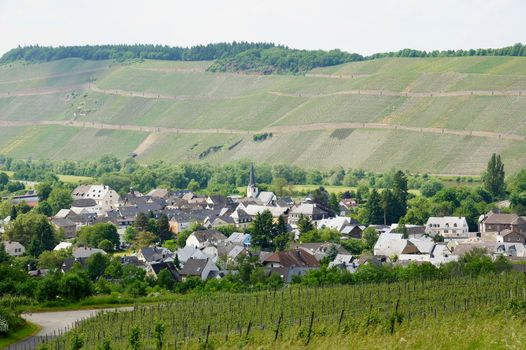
[438,115]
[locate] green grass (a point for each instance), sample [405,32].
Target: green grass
[64,178]
[249,102]
[60,142]
[471,331]
[375,150]
[28,330]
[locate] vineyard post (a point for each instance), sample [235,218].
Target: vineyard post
[310,327]
[248,328]
[341,319]
[277,326]
[207,335]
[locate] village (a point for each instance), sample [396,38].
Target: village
[212,252]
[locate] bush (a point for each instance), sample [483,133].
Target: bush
[10,321]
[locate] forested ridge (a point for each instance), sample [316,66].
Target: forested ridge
[262,58]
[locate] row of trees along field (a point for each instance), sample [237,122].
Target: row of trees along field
[263,58]
[121,174]
[308,312]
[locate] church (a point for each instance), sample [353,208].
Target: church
[262,198]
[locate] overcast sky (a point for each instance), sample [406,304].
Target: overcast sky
[365,26]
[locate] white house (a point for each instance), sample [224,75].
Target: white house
[447,226]
[14,248]
[105,197]
[205,238]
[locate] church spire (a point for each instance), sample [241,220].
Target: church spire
[252,180]
[252,189]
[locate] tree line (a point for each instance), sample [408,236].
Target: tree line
[38,54]
[261,58]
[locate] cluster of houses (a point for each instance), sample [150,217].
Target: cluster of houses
[208,252]
[498,234]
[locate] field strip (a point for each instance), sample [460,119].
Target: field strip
[150,95]
[171,70]
[408,94]
[284,129]
[286,115]
[56,75]
[337,76]
[46,91]
[147,143]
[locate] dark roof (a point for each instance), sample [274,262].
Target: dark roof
[194,267]
[226,219]
[131,260]
[212,236]
[84,203]
[63,222]
[69,262]
[154,253]
[221,200]
[159,266]
[294,258]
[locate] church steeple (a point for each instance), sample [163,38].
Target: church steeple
[252,181]
[252,190]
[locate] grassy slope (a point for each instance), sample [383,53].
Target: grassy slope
[28,330]
[59,142]
[249,102]
[453,332]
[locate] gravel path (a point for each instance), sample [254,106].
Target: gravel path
[52,323]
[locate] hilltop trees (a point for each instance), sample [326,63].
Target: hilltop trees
[493,178]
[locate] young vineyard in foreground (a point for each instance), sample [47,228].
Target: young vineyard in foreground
[304,313]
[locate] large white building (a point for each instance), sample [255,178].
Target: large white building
[447,226]
[104,196]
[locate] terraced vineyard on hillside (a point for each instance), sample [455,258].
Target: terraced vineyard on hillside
[439,115]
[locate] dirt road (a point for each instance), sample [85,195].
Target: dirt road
[53,323]
[282,129]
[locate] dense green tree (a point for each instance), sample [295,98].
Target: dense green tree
[304,224]
[106,245]
[141,222]
[4,180]
[369,237]
[320,197]
[334,203]
[374,211]
[53,259]
[60,198]
[163,228]
[262,229]
[75,286]
[34,232]
[92,235]
[13,213]
[165,279]
[282,241]
[44,190]
[400,193]
[494,176]
[390,204]
[144,239]
[44,208]
[96,265]
[48,287]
